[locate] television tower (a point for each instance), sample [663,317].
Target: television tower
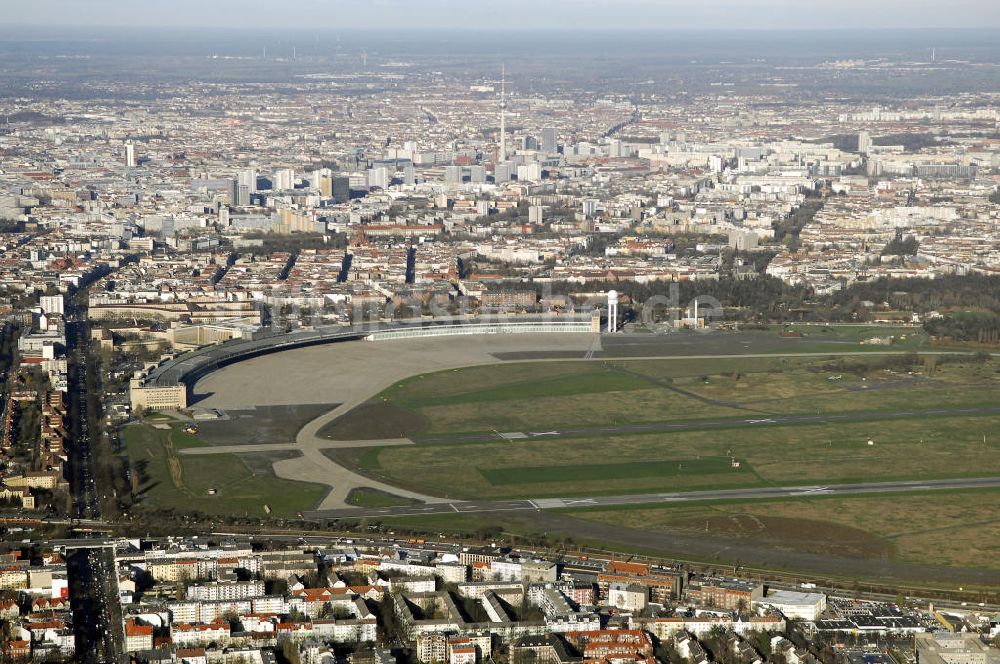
[502,156]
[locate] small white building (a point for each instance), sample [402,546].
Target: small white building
[793,605]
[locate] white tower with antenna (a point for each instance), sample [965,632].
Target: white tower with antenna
[502,155]
[612,311]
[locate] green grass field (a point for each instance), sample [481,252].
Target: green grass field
[599,472]
[773,455]
[902,337]
[168,480]
[543,396]
[552,396]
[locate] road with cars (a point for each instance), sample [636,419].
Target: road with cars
[93,583]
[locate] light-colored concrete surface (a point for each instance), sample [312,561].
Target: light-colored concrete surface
[356,370]
[350,373]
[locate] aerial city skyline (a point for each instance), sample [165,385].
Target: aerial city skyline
[562,332]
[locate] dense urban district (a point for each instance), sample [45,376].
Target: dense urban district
[372,352]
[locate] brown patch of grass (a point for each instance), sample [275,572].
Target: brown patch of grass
[804,535]
[960,529]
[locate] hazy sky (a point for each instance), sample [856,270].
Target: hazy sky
[470,14]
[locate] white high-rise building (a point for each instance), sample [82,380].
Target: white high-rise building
[129,154]
[248,178]
[315,177]
[378,177]
[453,174]
[529,172]
[536,214]
[502,173]
[52,304]
[477,174]
[284,178]
[864,142]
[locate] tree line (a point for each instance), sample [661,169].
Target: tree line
[767,299]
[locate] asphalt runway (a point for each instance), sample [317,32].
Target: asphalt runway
[720,423]
[477,506]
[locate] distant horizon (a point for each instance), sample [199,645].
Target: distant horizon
[677,45]
[561,15]
[482,29]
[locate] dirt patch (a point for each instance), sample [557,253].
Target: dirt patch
[759,552]
[789,534]
[375,420]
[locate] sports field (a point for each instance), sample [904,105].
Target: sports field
[220,484]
